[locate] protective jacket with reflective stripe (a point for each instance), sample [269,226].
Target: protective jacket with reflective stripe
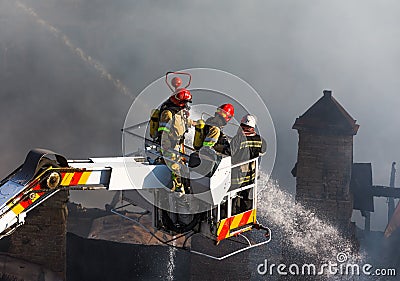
[214,137]
[173,125]
[244,147]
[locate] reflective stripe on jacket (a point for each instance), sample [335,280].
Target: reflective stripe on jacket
[214,137]
[173,125]
[244,147]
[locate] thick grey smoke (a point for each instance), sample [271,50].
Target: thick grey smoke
[289,51]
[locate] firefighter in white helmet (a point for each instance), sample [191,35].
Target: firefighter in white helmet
[246,145]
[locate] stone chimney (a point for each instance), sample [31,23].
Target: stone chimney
[324,161]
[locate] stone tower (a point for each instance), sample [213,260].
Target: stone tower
[324,161]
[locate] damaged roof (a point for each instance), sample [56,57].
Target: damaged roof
[327,116]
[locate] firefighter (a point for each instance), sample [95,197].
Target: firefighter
[214,137]
[209,139]
[174,123]
[245,145]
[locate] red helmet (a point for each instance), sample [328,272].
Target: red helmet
[181,97]
[227,111]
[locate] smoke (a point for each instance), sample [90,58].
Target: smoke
[77,51]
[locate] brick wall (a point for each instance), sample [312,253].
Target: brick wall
[42,239]
[323,176]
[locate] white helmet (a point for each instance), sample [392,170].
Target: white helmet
[249,120]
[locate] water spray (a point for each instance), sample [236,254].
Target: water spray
[171,262]
[311,236]
[76,50]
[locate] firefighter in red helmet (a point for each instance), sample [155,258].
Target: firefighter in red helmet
[174,123]
[214,136]
[174,119]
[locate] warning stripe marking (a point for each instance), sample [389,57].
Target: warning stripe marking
[245,218]
[225,228]
[227,225]
[84,177]
[21,206]
[66,178]
[18,209]
[75,178]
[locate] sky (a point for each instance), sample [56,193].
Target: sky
[288,51]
